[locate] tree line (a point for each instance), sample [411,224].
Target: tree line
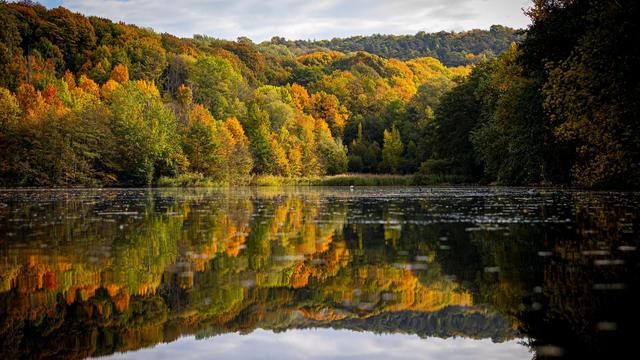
[452,48]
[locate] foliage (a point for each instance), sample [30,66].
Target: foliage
[457,115]
[145,133]
[510,138]
[392,150]
[591,95]
[452,48]
[561,107]
[217,86]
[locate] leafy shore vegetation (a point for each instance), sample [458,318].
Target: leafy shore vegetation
[197,180]
[85,101]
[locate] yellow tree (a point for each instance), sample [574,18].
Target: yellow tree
[300,97]
[239,160]
[392,151]
[198,141]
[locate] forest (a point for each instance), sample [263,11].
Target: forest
[451,48]
[85,101]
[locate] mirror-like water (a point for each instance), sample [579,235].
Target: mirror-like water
[318,273]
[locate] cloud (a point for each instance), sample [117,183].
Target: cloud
[296,19]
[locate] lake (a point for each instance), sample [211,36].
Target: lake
[318,273]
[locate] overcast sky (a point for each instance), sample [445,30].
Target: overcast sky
[303,19]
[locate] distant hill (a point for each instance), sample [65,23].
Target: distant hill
[451,48]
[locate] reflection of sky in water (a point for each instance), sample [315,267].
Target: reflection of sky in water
[329,344]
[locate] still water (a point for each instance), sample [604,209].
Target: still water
[318,273]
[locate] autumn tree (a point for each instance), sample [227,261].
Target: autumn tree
[392,151]
[120,74]
[239,161]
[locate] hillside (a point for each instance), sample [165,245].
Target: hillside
[86,101]
[138,105]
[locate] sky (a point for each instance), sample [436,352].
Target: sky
[326,344]
[303,19]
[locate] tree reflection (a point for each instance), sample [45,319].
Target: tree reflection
[90,273]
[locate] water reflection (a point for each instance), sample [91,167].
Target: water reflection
[93,272]
[324,344]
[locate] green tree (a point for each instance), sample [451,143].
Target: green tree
[258,130]
[277,102]
[510,138]
[456,116]
[145,133]
[9,120]
[201,143]
[147,59]
[332,155]
[218,87]
[392,151]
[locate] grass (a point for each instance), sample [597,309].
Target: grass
[336,180]
[272,180]
[366,180]
[198,180]
[189,180]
